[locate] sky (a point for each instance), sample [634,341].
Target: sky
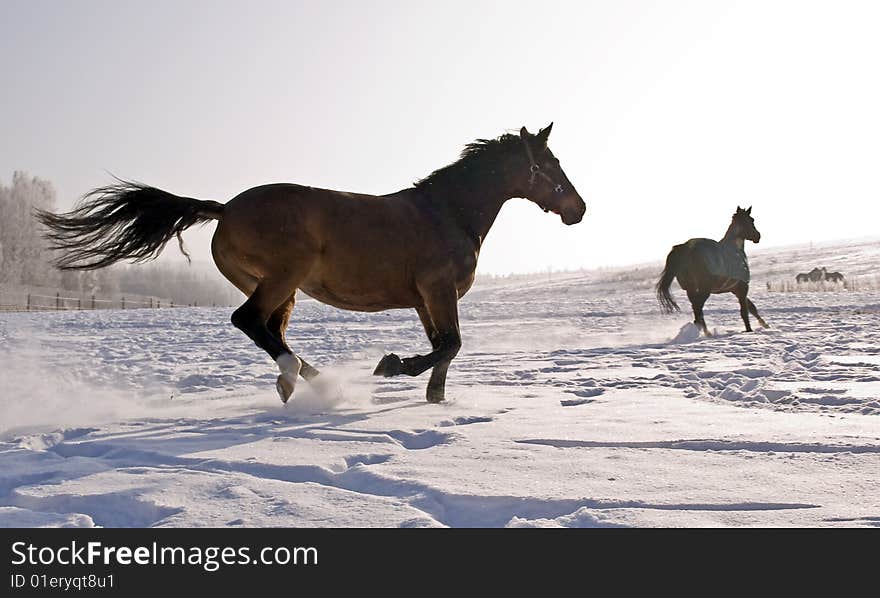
[668,114]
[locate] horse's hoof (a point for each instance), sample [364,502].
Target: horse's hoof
[285,385]
[435,396]
[389,366]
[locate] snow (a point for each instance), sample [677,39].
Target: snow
[573,403]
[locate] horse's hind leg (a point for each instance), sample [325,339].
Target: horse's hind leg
[252,319]
[277,325]
[698,300]
[754,311]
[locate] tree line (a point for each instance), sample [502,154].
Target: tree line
[26,260]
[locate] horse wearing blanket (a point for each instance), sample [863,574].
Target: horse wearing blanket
[704,266]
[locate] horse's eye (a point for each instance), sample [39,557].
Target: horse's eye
[558,189]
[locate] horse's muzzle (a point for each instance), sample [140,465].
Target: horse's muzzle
[573,215]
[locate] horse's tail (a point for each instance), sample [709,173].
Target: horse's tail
[673,261]
[124,221]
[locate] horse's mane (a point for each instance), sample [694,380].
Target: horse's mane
[475,160]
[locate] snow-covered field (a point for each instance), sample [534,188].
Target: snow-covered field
[572,403]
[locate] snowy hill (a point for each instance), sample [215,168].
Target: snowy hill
[573,403]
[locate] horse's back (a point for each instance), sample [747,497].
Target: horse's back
[284,210]
[701,245]
[708,263]
[350,250]
[284,197]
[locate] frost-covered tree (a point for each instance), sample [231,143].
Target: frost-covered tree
[24,258]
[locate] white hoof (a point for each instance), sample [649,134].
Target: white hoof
[285,386]
[290,365]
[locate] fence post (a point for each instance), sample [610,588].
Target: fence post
[158,304]
[79,303]
[93,301]
[123,303]
[172,303]
[29,302]
[57,301]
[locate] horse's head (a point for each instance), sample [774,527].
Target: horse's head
[547,184]
[745,225]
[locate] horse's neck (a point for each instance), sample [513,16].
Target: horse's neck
[733,239]
[472,203]
[473,210]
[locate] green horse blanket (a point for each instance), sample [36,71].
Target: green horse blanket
[722,259]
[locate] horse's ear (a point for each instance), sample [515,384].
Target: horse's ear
[749,211]
[524,133]
[544,133]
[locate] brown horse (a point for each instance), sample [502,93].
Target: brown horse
[416,248]
[704,266]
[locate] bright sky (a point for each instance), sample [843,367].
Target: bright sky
[667,113]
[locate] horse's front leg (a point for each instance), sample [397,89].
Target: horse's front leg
[754,312]
[741,293]
[440,318]
[437,383]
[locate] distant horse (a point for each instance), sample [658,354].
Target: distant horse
[817,274]
[416,248]
[814,275]
[834,277]
[703,267]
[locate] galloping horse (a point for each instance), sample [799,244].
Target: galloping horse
[834,277]
[416,248]
[704,267]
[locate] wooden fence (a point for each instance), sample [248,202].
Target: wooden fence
[44,300]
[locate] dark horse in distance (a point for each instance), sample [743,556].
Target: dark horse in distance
[705,266]
[814,275]
[416,248]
